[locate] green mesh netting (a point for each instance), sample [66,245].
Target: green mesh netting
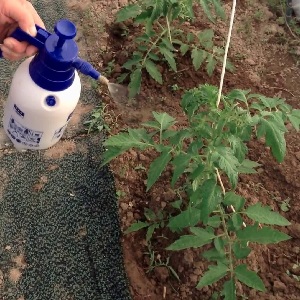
[59,226]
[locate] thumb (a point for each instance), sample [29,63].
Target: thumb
[21,15]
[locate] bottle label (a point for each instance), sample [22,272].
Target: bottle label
[18,111]
[23,135]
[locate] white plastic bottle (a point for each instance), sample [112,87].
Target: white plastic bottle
[45,89]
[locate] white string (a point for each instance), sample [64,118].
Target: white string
[226,51]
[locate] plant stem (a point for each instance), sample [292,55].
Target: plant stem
[225,226]
[153,45]
[169,29]
[226,52]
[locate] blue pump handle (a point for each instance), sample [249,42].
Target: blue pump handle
[65,30]
[38,41]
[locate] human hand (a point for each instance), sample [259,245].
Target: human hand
[14,13]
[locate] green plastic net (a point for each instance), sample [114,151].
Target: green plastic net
[59,226]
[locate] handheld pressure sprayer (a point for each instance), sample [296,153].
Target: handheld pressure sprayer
[46,88]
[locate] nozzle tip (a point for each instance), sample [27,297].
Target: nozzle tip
[103,80]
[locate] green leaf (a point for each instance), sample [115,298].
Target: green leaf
[214,273]
[180,163]
[111,153]
[206,9]
[274,138]
[211,196]
[188,241]
[134,138]
[236,221]
[136,226]
[187,218]
[219,11]
[211,64]
[294,118]
[164,119]
[229,290]
[238,147]
[249,278]
[240,249]
[263,214]
[206,38]
[214,221]
[235,200]
[135,60]
[264,235]
[239,95]
[128,12]
[247,167]
[153,56]
[150,231]
[153,71]
[122,77]
[135,83]
[228,163]
[214,255]
[184,48]
[202,233]
[156,168]
[169,57]
[198,57]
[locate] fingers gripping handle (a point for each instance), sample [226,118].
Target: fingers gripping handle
[38,41]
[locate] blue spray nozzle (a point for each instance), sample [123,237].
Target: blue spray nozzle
[53,67]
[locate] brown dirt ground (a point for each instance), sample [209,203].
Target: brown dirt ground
[265,56]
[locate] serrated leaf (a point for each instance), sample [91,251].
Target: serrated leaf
[135,60]
[133,138]
[122,77]
[135,83]
[156,168]
[169,56]
[236,221]
[128,12]
[167,44]
[213,274]
[248,167]
[206,9]
[153,56]
[239,95]
[264,235]
[206,38]
[184,48]
[111,153]
[150,231]
[198,56]
[249,278]
[228,163]
[211,64]
[263,214]
[153,71]
[274,139]
[219,9]
[214,255]
[152,124]
[158,10]
[180,163]
[214,221]
[240,249]
[238,147]
[136,226]
[187,218]
[204,234]
[229,290]
[211,196]
[164,119]
[188,241]
[235,200]
[294,118]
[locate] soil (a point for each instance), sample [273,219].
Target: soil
[266,55]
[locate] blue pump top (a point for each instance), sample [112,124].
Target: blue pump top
[53,67]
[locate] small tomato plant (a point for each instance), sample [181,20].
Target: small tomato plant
[162,40]
[214,146]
